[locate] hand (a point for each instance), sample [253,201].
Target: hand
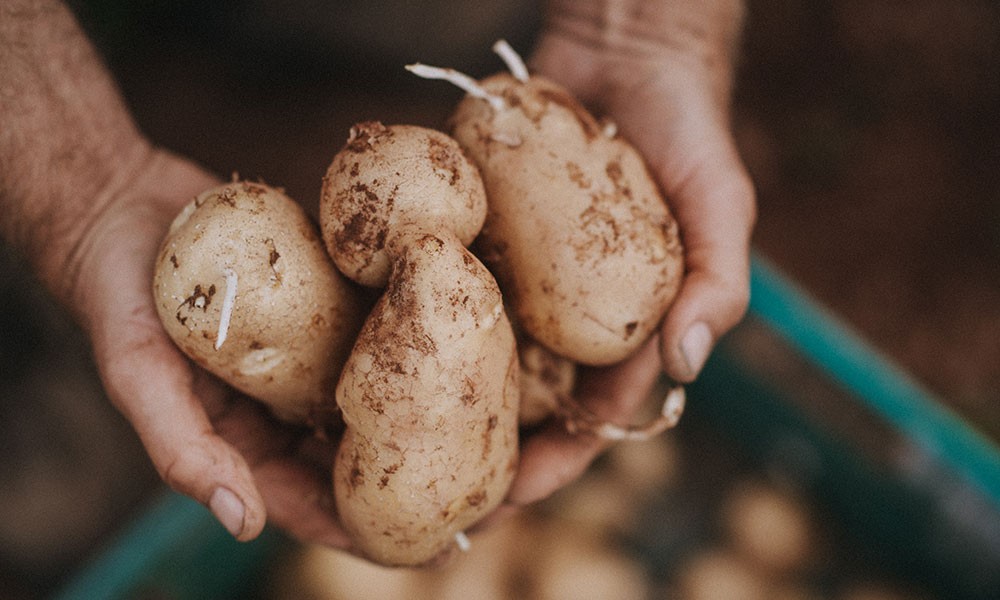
[205,440]
[88,201]
[667,90]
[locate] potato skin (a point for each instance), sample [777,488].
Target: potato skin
[294,317]
[547,381]
[430,399]
[391,179]
[577,232]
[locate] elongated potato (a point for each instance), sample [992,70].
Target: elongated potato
[429,394]
[429,397]
[244,287]
[577,231]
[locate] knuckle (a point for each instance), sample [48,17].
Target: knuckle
[178,469]
[185,469]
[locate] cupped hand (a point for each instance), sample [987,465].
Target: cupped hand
[672,102]
[205,440]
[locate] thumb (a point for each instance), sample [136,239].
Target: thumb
[153,384]
[156,389]
[681,125]
[715,209]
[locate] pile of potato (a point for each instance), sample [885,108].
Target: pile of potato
[575,259]
[738,534]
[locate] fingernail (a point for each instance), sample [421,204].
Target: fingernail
[228,509]
[695,346]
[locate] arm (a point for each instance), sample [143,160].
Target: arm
[87,199]
[662,70]
[67,145]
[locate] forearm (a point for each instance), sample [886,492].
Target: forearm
[67,143]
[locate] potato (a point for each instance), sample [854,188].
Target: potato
[364,202]
[577,564]
[244,287]
[314,572]
[429,394]
[429,397]
[491,568]
[577,231]
[547,381]
[719,573]
[770,526]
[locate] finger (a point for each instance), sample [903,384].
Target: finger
[292,474]
[715,209]
[153,388]
[554,457]
[617,392]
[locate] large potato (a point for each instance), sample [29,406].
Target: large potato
[429,395]
[244,287]
[577,231]
[430,398]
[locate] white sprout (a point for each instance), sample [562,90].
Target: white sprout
[461,80]
[610,129]
[673,406]
[227,306]
[512,59]
[462,541]
[511,140]
[670,414]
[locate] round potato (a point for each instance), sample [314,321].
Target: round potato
[393,179]
[244,287]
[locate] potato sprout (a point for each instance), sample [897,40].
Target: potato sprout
[227,306]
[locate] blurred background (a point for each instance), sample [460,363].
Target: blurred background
[871,129]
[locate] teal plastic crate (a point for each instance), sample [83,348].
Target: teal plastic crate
[914,485]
